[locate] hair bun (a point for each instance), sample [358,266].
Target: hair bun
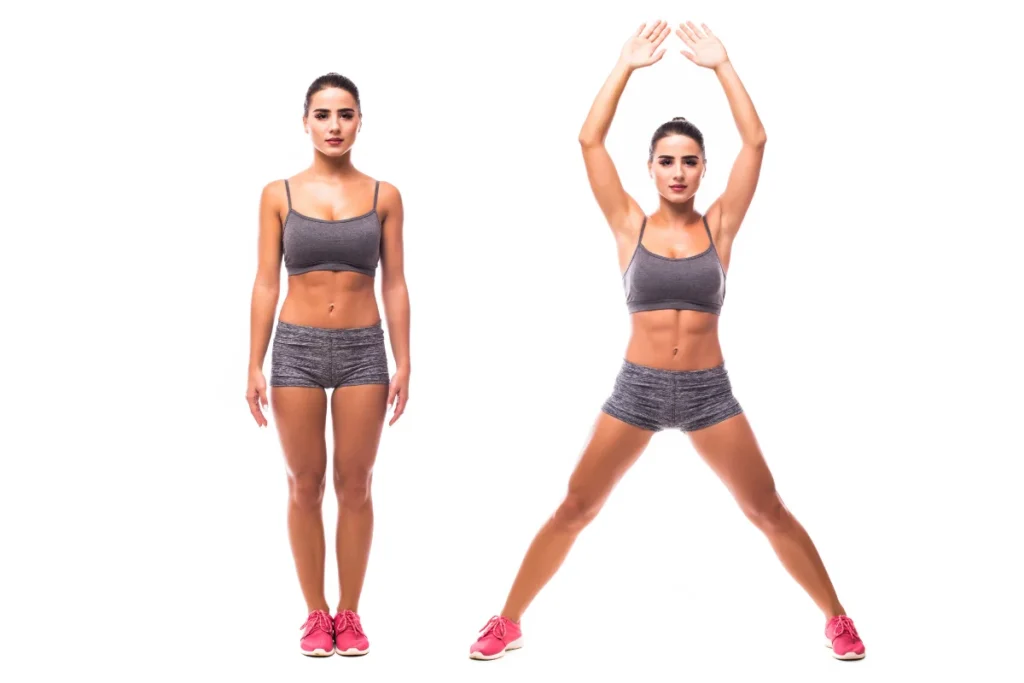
[678,118]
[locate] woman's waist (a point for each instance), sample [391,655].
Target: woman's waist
[338,308]
[680,342]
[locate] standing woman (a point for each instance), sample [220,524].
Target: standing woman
[331,224]
[674,265]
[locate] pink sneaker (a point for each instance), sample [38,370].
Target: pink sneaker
[348,634]
[843,639]
[498,636]
[317,635]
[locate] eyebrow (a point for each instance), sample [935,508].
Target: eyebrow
[669,156]
[328,110]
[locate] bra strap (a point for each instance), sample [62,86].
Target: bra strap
[642,226]
[705,218]
[289,193]
[376,189]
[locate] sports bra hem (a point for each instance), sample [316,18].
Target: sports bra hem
[333,267]
[672,304]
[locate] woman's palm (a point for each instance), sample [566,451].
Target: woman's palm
[639,50]
[708,50]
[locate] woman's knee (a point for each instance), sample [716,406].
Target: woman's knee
[352,486]
[767,512]
[307,489]
[576,511]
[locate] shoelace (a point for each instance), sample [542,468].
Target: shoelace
[495,627]
[317,619]
[845,625]
[349,619]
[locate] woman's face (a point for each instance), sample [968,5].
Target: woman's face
[677,167]
[333,121]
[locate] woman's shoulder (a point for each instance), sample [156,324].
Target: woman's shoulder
[276,189]
[386,192]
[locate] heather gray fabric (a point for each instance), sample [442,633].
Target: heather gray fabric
[316,244]
[654,282]
[323,357]
[655,399]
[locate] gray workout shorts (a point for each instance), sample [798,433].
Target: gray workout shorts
[655,399]
[324,357]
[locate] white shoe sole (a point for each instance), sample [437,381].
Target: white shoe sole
[514,645]
[352,652]
[847,656]
[317,652]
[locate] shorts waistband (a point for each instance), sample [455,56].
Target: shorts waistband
[334,334]
[714,370]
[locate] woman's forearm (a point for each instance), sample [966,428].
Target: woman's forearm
[743,112]
[396,309]
[599,119]
[261,322]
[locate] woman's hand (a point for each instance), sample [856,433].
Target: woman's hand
[639,50]
[399,390]
[708,50]
[256,395]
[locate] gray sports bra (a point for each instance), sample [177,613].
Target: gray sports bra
[691,283]
[317,244]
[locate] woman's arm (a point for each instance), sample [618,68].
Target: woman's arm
[709,52]
[265,292]
[395,294]
[639,51]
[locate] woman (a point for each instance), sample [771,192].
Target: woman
[673,376]
[331,224]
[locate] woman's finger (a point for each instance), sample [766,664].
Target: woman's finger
[254,408]
[662,35]
[399,409]
[402,400]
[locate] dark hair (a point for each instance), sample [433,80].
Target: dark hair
[331,80]
[677,126]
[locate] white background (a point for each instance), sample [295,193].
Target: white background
[869,331]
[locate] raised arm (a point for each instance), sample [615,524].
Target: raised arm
[639,51]
[265,291]
[395,294]
[709,52]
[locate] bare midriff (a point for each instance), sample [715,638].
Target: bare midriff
[330,299]
[674,340]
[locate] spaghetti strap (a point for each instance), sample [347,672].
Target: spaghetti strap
[376,189]
[642,226]
[289,193]
[710,239]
